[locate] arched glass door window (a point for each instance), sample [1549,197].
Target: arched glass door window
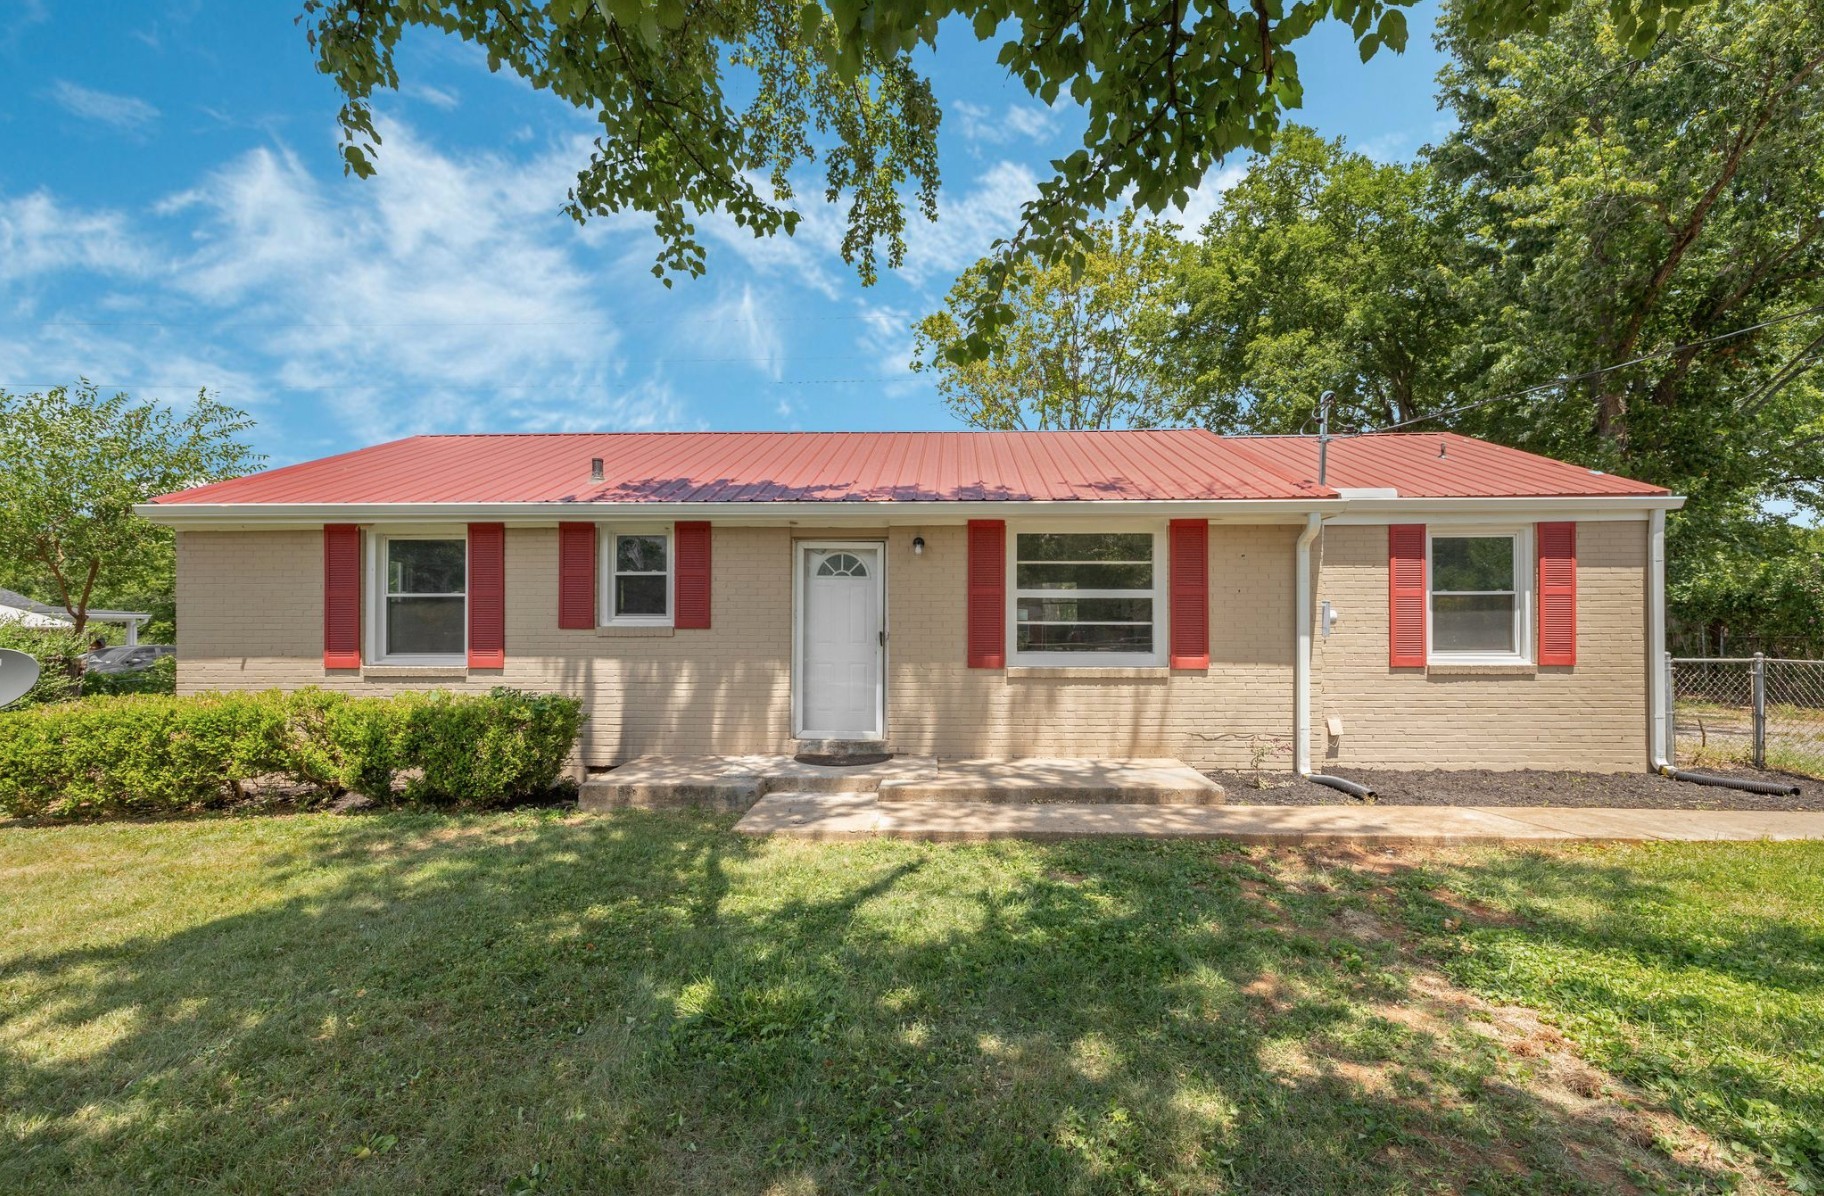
[842,564]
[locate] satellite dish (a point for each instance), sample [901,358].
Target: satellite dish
[18,673]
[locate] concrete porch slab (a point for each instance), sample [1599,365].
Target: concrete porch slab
[731,782]
[737,782]
[851,816]
[1053,779]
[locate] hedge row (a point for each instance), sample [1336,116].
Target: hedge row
[148,754]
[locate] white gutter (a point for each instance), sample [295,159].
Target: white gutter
[1301,660]
[875,513]
[851,512]
[1658,675]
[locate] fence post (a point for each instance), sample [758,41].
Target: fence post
[1760,710]
[1671,717]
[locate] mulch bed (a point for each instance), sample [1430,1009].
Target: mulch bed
[1485,787]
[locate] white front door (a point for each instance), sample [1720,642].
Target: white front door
[841,642]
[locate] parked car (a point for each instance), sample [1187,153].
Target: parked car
[127,660]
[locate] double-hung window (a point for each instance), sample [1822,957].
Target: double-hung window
[1087,598]
[637,583]
[1480,593]
[423,598]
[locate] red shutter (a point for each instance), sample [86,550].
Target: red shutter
[1557,593]
[1406,597]
[1190,580]
[487,596]
[341,596]
[691,543]
[576,576]
[987,594]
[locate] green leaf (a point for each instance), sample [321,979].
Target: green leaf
[1392,30]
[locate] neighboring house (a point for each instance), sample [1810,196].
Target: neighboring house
[17,608]
[1145,593]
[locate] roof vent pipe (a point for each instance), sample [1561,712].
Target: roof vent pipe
[1323,435]
[595,469]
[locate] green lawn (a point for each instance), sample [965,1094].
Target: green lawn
[649,1003]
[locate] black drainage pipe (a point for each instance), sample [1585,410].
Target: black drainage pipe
[1354,789]
[1771,788]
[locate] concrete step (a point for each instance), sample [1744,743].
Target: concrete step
[1049,780]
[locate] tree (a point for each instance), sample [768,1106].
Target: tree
[1666,207]
[1167,89]
[1084,347]
[1616,258]
[72,466]
[1323,270]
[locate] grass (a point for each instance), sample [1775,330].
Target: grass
[528,1002]
[1712,735]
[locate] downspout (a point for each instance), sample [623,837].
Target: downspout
[1301,659]
[1659,677]
[1301,671]
[1659,669]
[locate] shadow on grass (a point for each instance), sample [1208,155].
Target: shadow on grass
[651,1003]
[1672,967]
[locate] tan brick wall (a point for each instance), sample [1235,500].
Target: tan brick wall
[250,610]
[937,704]
[1592,716]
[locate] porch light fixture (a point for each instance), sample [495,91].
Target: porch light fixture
[918,546]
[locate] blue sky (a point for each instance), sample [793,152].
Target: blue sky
[173,216]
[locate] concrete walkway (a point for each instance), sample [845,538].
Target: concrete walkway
[837,816]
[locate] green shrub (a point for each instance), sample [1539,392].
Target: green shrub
[338,743]
[160,678]
[141,754]
[159,753]
[485,751]
[56,651]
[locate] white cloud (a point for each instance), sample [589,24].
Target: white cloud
[886,337]
[39,236]
[396,298]
[965,228]
[1204,201]
[445,294]
[438,97]
[983,124]
[741,324]
[129,114]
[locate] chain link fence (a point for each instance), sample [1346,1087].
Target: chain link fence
[1750,710]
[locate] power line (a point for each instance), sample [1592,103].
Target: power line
[356,325]
[1597,373]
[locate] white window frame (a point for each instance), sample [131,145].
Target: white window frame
[376,595]
[605,558]
[1090,660]
[1522,536]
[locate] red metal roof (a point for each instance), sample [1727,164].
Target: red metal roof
[759,467]
[1440,465]
[773,467]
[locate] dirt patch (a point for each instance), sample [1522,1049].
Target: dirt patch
[1614,1134]
[1525,787]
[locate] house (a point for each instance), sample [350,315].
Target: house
[17,608]
[1429,601]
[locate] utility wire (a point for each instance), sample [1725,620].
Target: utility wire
[1597,373]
